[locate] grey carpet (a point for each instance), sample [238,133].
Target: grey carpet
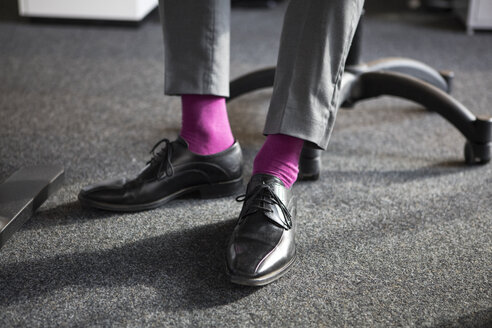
[397,232]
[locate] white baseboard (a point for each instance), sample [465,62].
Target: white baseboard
[131,10]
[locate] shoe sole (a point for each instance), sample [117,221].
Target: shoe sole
[207,191]
[262,280]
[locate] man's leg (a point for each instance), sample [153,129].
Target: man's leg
[196,44]
[316,38]
[205,159]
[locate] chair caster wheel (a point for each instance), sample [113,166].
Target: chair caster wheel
[477,153]
[309,164]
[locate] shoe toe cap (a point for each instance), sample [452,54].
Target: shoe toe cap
[240,261]
[251,257]
[256,257]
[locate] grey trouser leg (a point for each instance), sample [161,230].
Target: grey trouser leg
[196,45]
[316,38]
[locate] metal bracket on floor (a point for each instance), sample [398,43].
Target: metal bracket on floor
[23,193]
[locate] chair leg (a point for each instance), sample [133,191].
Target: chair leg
[410,67]
[477,131]
[252,81]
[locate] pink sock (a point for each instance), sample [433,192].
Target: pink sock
[279,156]
[205,125]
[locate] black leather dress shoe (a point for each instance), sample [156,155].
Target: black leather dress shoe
[262,246]
[172,172]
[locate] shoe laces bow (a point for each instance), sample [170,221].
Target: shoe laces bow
[163,159]
[263,196]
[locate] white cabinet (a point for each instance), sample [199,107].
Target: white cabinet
[476,14]
[130,10]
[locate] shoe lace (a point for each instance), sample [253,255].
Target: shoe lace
[265,196]
[163,159]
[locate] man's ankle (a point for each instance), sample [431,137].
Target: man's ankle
[279,156]
[205,124]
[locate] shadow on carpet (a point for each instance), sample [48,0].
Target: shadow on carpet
[186,269]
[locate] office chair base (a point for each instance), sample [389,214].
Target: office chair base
[400,77]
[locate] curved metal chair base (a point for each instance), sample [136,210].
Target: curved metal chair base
[400,77]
